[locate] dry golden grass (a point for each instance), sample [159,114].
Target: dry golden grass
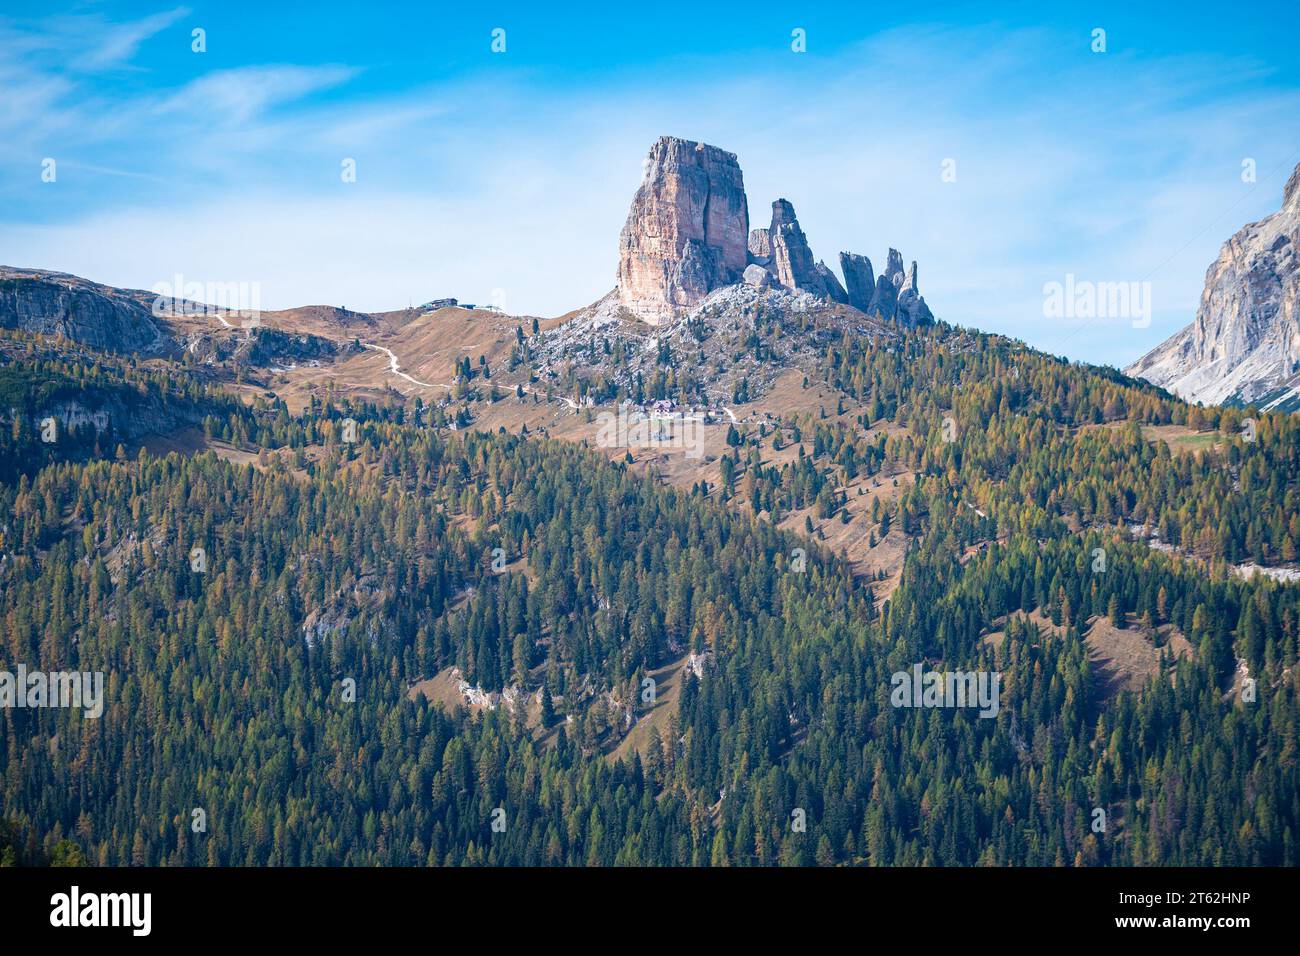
[1124,659]
[1120,658]
[1179,438]
[668,692]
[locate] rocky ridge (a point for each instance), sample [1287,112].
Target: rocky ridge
[99,316]
[1244,345]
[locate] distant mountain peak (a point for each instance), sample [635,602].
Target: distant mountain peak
[1291,192]
[687,234]
[1244,345]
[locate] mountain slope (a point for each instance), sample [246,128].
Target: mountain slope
[374,561]
[439,592]
[1244,345]
[55,303]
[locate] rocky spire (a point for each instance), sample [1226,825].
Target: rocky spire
[894,269]
[911,305]
[687,231]
[831,284]
[859,279]
[782,214]
[884,301]
[792,260]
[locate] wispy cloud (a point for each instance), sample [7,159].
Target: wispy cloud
[239,96]
[112,45]
[1114,171]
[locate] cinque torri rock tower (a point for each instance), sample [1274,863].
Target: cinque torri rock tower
[688,234]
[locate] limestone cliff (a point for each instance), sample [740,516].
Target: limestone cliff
[1244,345]
[687,232]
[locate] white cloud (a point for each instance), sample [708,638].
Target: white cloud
[117,44]
[235,97]
[1115,171]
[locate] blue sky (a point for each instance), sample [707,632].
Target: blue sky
[509,175]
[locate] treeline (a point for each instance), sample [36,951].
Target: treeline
[262,630]
[225,692]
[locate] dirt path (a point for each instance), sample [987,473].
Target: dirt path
[397,369]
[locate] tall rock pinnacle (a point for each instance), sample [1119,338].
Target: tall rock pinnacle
[894,269]
[859,279]
[687,232]
[792,259]
[911,305]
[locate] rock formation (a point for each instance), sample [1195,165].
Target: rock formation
[894,269]
[895,294]
[859,279]
[52,303]
[884,302]
[790,260]
[834,291]
[687,232]
[1244,345]
[911,305]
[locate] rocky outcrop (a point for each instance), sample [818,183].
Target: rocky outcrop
[265,347]
[792,259]
[834,291]
[687,232]
[884,301]
[1244,345]
[911,304]
[53,303]
[859,279]
[894,269]
[895,294]
[757,276]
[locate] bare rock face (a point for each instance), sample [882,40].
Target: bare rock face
[53,303]
[757,276]
[894,269]
[1244,345]
[859,279]
[884,301]
[834,291]
[687,232]
[895,295]
[911,304]
[792,259]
